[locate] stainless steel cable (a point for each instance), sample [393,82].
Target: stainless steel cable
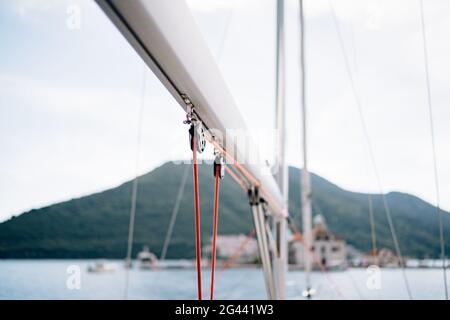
[372,229]
[224,35]
[134,190]
[174,215]
[370,149]
[433,148]
[369,196]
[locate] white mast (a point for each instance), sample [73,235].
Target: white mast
[305,180]
[282,175]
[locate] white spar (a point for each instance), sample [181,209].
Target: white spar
[165,35]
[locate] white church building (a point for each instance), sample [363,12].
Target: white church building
[329,251]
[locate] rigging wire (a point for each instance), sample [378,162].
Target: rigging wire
[373,236]
[433,148]
[173,218]
[237,179]
[224,35]
[306,243]
[372,230]
[370,149]
[134,191]
[369,196]
[245,173]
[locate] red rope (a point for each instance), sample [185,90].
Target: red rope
[197,219]
[215,223]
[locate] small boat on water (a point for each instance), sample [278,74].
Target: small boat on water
[147,259]
[101,266]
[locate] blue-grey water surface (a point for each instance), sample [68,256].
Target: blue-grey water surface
[46,279]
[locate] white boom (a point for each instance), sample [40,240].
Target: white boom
[165,35]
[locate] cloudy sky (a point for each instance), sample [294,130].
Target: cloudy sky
[70,98]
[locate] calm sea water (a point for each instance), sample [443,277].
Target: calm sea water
[46,279]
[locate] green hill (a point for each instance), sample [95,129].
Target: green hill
[96,225]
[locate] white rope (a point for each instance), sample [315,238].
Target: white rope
[433,147]
[134,188]
[370,149]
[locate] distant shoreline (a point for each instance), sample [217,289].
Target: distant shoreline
[182,264]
